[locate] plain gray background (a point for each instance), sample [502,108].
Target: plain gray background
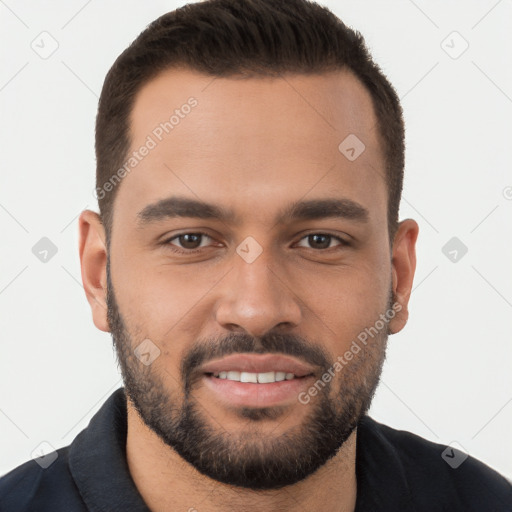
[448,374]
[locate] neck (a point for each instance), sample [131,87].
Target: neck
[167,482]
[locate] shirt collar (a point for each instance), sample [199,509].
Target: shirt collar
[381,476]
[97,461]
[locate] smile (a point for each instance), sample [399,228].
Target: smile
[255,378]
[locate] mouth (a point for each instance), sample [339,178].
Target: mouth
[255,380]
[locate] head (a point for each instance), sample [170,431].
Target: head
[250,160]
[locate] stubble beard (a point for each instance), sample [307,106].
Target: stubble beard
[248,458]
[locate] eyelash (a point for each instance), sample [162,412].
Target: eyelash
[167,244]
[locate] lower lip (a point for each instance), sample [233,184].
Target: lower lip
[247,394]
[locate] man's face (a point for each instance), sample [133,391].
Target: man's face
[259,294]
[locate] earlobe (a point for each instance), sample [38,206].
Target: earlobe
[403,269]
[93,262]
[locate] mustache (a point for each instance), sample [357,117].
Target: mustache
[233,343]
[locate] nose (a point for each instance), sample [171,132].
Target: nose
[257,298]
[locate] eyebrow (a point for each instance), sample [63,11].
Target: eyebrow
[314,209]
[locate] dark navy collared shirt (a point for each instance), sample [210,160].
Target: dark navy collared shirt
[395,470]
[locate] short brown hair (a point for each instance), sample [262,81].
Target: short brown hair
[249,38]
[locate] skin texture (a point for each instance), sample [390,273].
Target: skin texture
[254,146]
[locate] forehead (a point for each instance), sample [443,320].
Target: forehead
[253,142]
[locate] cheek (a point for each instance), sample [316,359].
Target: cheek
[163,302]
[341,302]
[174,304]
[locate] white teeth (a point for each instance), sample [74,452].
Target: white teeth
[261,378]
[248,377]
[265,378]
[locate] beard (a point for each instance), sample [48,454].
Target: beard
[248,458]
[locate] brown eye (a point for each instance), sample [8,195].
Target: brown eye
[322,241]
[319,241]
[188,241]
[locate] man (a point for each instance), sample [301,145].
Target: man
[249,263]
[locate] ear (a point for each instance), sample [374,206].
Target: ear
[403,268]
[93,262]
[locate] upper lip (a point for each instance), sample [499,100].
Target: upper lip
[258,363]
